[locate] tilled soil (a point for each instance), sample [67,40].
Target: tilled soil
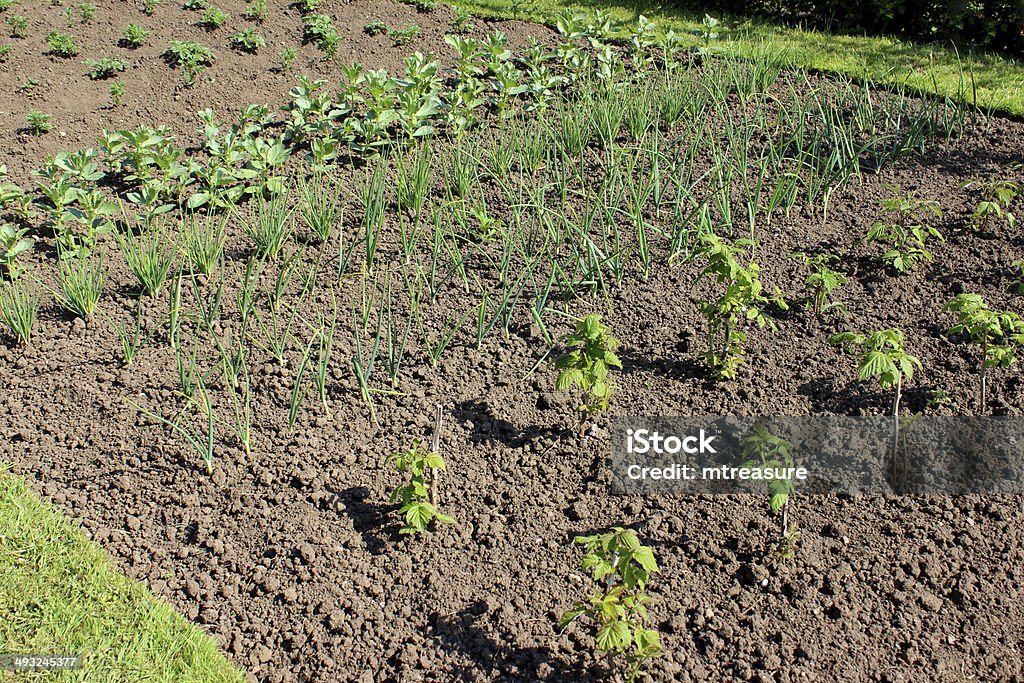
[290,555]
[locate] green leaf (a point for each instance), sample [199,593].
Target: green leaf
[418,515]
[644,556]
[875,364]
[613,637]
[571,616]
[434,461]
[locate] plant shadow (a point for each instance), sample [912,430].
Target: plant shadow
[489,428]
[374,522]
[467,631]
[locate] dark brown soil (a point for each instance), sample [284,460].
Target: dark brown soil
[290,555]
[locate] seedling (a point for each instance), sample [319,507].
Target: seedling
[248,40]
[203,241]
[461,20]
[417,508]
[62,44]
[5,52]
[998,333]
[257,11]
[149,7]
[18,309]
[270,227]
[708,32]
[996,198]
[306,6]
[6,5]
[376,27]
[741,304]
[117,89]
[195,5]
[789,543]
[13,244]
[288,56]
[203,444]
[38,122]
[150,256]
[81,281]
[19,26]
[134,36]
[587,365]
[213,18]
[191,57]
[822,282]
[882,358]
[907,233]
[320,205]
[86,12]
[423,6]
[768,452]
[104,68]
[621,568]
[319,30]
[404,36]
[28,88]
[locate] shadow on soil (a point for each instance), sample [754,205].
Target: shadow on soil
[467,632]
[375,522]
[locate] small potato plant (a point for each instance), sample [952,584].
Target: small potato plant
[134,36]
[62,44]
[190,57]
[621,568]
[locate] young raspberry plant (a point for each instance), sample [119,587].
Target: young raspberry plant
[739,307]
[417,508]
[587,364]
[881,358]
[822,282]
[907,232]
[769,452]
[996,197]
[621,568]
[998,333]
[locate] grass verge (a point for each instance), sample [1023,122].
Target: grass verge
[995,83]
[60,595]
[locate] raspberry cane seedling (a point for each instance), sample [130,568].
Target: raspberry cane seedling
[621,567]
[881,358]
[998,333]
[769,452]
[422,467]
[822,282]
[587,364]
[908,231]
[741,305]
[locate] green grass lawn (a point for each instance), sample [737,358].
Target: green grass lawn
[60,595]
[998,83]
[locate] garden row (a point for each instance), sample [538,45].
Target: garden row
[610,157]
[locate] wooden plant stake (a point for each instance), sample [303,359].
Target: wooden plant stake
[435,446]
